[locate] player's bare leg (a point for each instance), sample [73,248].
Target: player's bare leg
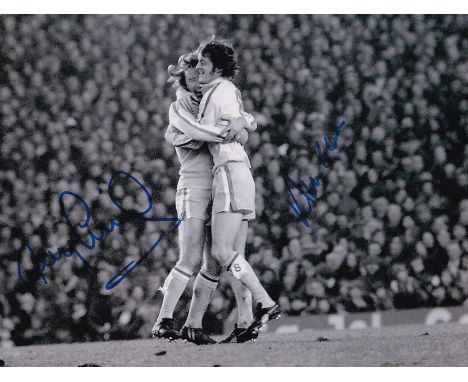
[191,243]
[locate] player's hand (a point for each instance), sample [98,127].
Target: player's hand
[243,137]
[236,125]
[253,126]
[251,123]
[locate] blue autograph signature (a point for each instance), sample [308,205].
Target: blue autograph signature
[60,252]
[309,192]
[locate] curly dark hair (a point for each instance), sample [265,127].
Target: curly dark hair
[177,72]
[222,55]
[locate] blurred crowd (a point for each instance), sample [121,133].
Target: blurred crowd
[84,96]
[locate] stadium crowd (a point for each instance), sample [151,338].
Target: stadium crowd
[84,96]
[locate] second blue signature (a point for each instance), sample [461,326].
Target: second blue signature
[309,191]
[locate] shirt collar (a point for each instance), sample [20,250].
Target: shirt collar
[207,87]
[181,92]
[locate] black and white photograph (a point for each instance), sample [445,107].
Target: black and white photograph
[233,190]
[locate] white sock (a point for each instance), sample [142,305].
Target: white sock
[244,302]
[203,288]
[242,271]
[174,285]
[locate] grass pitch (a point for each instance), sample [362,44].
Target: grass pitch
[411,345]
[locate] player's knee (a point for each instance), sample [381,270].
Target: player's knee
[190,262]
[212,268]
[221,249]
[220,254]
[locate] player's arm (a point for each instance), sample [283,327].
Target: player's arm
[175,137]
[251,123]
[185,122]
[228,100]
[237,124]
[178,139]
[248,121]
